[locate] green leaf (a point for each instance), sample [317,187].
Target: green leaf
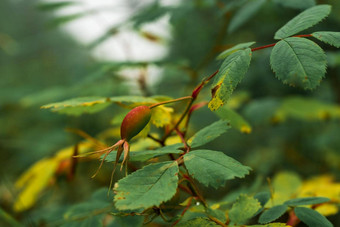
[304,4]
[243,209]
[262,197]
[213,168]
[272,214]
[230,75]
[93,221]
[142,156]
[147,187]
[48,6]
[197,222]
[298,62]
[149,14]
[65,19]
[306,201]
[332,38]
[236,120]
[306,109]
[235,48]
[209,133]
[78,106]
[311,217]
[245,14]
[304,20]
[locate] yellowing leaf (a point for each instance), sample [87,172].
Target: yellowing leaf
[161,116]
[327,209]
[33,182]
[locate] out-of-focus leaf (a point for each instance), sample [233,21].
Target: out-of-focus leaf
[306,201]
[93,221]
[147,187]
[197,222]
[304,20]
[230,75]
[243,209]
[8,219]
[311,217]
[65,19]
[298,62]
[332,38]
[272,214]
[233,49]
[161,116]
[209,133]
[244,14]
[48,6]
[149,14]
[235,119]
[306,109]
[213,168]
[296,4]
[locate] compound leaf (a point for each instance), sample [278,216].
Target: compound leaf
[311,217]
[304,20]
[213,168]
[332,38]
[209,133]
[243,209]
[147,187]
[298,62]
[230,75]
[272,214]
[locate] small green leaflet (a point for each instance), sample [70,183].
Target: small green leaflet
[245,13]
[209,133]
[235,48]
[197,222]
[147,187]
[296,4]
[213,168]
[236,120]
[272,214]
[304,20]
[230,75]
[243,209]
[306,201]
[311,217]
[298,62]
[331,38]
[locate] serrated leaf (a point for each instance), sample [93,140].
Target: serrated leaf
[47,6]
[263,198]
[304,4]
[272,214]
[304,20]
[311,217]
[147,187]
[233,49]
[230,75]
[197,222]
[235,119]
[213,168]
[298,62]
[161,116]
[243,209]
[245,13]
[306,201]
[331,38]
[209,133]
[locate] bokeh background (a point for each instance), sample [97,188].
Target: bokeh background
[53,51]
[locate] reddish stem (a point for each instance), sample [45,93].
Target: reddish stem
[184,211]
[309,35]
[263,47]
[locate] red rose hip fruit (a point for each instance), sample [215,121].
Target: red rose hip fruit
[134,122]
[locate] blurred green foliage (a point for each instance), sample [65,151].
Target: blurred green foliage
[287,128]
